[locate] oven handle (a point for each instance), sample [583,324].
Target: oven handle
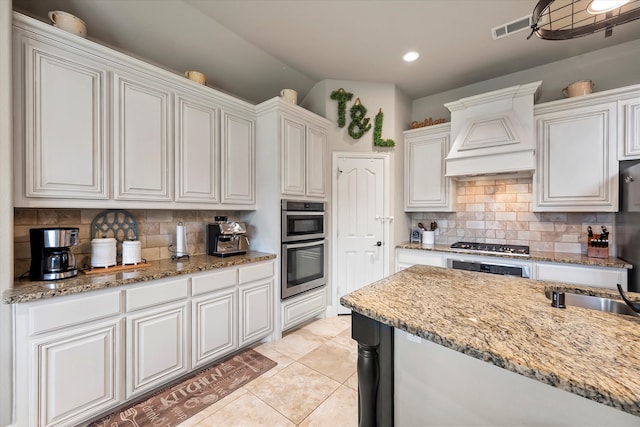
[304,244]
[304,213]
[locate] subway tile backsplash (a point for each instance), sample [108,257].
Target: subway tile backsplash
[157,230]
[500,211]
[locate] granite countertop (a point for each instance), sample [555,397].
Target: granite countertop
[26,290]
[508,321]
[559,257]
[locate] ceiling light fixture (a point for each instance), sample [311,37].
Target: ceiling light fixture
[568,19]
[411,56]
[603,6]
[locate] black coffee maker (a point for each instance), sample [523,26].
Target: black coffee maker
[51,257]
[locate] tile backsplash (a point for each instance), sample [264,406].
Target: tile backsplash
[157,230]
[499,211]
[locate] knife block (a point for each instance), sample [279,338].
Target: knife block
[597,252]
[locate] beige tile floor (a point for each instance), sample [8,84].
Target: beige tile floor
[314,383]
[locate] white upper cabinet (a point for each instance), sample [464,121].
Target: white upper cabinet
[141,130]
[629,128]
[197,150]
[316,161]
[296,140]
[60,118]
[577,167]
[293,157]
[238,158]
[96,128]
[426,188]
[304,157]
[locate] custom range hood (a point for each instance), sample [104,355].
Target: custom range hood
[493,133]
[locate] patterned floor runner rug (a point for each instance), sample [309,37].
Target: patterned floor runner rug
[175,404]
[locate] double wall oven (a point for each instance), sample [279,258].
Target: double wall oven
[304,256]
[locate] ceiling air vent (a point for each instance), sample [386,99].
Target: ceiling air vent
[512,27]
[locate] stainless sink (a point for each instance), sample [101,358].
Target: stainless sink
[595,303]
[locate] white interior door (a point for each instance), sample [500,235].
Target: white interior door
[360,223]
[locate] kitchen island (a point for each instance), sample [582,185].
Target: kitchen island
[505,321]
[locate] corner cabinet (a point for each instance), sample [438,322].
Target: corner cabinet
[577,166]
[96,128]
[426,189]
[301,139]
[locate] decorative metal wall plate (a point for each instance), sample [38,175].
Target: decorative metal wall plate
[116,223]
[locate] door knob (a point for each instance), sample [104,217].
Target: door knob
[378,243]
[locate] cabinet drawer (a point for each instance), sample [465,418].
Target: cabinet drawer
[417,256]
[255,272]
[209,282]
[154,293]
[582,275]
[309,305]
[74,310]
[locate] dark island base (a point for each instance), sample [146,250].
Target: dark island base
[375,371]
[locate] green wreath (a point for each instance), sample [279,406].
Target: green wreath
[342,96]
[377,132]
[358,120]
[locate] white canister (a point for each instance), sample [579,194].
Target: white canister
[131,252]
[428,238]
[103,252]
[289,95]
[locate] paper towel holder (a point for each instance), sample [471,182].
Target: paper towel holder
[180,250]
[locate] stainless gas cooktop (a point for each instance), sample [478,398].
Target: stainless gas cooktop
[492,248]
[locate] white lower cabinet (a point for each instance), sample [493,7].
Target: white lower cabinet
[214,326]
[156,347]
[79,356]
[67,359]
[298,309]
[601,277]
[255,295]
[405,258]
[214,315]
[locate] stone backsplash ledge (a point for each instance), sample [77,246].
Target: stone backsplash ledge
[157,230]
[500,211]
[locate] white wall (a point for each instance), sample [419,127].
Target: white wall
[396,107]
[6,212]
[609,68]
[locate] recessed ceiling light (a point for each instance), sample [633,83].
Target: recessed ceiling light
[411,56]
[602,6]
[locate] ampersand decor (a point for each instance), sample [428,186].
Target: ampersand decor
[377,132]
[342,96]
[358,120]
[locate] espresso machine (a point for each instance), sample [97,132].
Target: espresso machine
[226,238]
[51,257]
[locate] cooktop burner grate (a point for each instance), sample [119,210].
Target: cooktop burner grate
[492,248]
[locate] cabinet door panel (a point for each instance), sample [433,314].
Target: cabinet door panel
[156,347]
[65,132]
[577,167]
[629,117]
[141,140]
[316,161]
[197,151]
[214,328]
[426,187]
[238,159]
[293,158]
[256,311]
[78,373]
